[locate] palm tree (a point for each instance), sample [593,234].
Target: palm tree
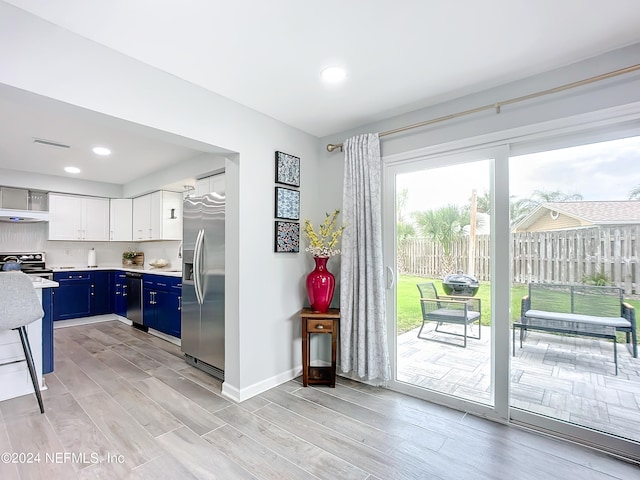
[484,202]
[635,193]
[443,226]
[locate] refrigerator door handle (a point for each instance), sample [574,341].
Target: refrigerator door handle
[197,264]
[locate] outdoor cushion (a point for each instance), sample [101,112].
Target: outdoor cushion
[576,317]
[453,316]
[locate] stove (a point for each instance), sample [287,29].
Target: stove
[30,263]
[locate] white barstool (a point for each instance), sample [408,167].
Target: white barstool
[19,306]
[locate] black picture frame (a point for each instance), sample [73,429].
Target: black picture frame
[287,169]
[287,237]
[287,203]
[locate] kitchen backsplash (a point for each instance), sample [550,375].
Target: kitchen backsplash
[32,237]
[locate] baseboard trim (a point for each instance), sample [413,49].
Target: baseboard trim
[85,320]
[240,395]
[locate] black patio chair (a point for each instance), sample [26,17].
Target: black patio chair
[448,309]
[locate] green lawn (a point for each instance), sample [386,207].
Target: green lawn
[408,304]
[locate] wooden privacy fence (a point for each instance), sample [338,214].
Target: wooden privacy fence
[566,256]
[423,257]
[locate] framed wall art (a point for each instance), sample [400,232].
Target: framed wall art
[287,203]
[287,237]
[287,169]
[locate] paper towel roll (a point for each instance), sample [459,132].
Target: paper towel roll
[91,259]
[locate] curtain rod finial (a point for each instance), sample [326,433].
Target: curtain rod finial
[331,147]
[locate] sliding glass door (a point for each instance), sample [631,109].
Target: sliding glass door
[443,301]
[575,231]
[465,236]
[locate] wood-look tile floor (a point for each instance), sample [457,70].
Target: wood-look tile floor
[124,404]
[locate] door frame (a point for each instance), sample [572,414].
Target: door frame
[499,270]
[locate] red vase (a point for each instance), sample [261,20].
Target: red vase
[320,286]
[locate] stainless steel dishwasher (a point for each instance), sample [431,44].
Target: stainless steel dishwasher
[134,299]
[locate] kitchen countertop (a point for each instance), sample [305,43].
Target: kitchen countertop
[169,272]
[39,282]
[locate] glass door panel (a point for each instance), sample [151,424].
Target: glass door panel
[575,222]
[443,316]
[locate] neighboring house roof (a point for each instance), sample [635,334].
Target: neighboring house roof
[564,215]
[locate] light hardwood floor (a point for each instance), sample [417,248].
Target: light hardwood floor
[123,404]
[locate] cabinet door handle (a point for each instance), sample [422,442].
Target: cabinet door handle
[179,302]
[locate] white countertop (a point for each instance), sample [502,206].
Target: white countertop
[169,272]
[39,282]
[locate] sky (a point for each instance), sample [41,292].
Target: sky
[602,171]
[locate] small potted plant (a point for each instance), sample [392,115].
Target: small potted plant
[128,256]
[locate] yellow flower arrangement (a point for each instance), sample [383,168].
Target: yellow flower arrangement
[324,242]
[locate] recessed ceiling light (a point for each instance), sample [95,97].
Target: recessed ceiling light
[72,169]
[333,74]
[102,151]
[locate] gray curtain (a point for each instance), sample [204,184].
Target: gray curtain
[363,329]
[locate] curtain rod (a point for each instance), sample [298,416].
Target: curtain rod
[334,146]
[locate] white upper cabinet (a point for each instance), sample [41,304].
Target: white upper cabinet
[73,217]
[214,183]
[121,219]
[157,216]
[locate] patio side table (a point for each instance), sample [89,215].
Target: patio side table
[324,324]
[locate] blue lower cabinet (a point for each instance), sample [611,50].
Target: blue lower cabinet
[102,300]
[97,292]
[119,293]
[47,331]
[169,314]
[162,303]
[82,294]
[73,297]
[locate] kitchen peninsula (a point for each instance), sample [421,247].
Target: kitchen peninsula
[14,377]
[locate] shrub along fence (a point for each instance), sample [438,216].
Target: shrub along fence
[608,254]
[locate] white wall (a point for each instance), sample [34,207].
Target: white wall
[189,169]
[51,183]
[263,346]
[590,98]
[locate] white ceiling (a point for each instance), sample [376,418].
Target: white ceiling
[400,55]
[136,150]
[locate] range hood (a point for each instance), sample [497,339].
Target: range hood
[23,206]
[23,216]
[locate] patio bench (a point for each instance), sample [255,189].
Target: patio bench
[578,310]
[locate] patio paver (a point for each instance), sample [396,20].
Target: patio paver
[570,378]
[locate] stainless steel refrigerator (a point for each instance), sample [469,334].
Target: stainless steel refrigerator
[203,283]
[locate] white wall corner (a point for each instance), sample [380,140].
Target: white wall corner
[240,395]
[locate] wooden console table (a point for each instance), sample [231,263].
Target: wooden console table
[322,323]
